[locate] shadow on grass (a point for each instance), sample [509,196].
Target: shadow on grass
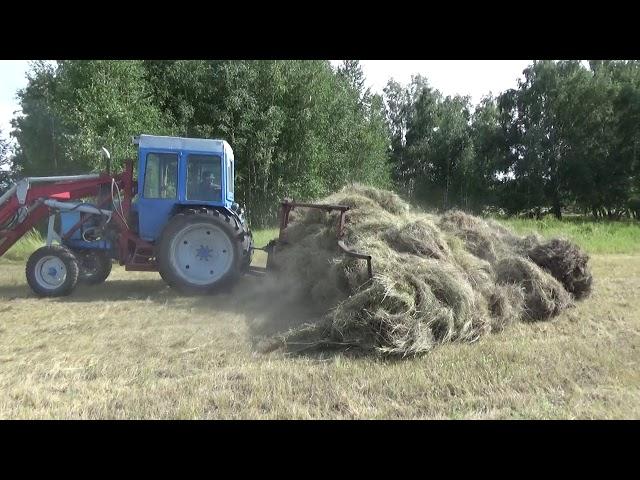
[114,290]
[238,299]
[121,290]
[265,316]
[154,290]
[12,292]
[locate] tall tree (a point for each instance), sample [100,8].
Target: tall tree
[73,109]
[351,71]
[490,147]
[586,116]
[38,129]
[5,164]
[397,104]
[537,132]
[401,112]
[431,143]
[626,179]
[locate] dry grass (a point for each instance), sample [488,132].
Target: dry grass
[135,349]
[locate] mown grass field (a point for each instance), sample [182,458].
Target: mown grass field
[133,348]
[602,236]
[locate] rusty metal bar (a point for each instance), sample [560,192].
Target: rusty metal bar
[284,219]
[321,206]
[286,207]
[341,224]
[355,254]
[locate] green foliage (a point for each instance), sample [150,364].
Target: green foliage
[432,142]
[490,153]
[262,237]
[5,164]
[539,130]
[298,128]
[23,248]
[74,109]
[566,138]
[574,134]
[595,236]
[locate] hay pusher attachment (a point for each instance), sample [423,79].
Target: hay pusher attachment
[287,206]
[178,218]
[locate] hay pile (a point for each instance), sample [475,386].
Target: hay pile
[437,279]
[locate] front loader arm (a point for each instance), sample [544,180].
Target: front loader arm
[22,206]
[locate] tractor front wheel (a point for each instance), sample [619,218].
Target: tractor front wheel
[200,252]
[52,271]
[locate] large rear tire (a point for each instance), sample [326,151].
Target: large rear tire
[52,271]
[200,252]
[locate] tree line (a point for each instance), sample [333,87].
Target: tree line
[565,139]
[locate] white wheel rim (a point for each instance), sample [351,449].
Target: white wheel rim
[50,272]
[201,254]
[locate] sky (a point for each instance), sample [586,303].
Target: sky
[12,78]
[475,78]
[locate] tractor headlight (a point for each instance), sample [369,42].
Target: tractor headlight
[239,209]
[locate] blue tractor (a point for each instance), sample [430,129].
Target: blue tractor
[186,208]
[179,218]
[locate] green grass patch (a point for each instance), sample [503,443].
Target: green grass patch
[24,247]
[595,236]
[263,236]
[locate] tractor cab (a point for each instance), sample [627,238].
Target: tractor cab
[175,172]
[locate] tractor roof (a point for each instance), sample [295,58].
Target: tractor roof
[180,143]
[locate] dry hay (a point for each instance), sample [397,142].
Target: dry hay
[567,263]
[436,279]
[544,296]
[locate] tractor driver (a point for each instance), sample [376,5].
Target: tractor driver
[210,188]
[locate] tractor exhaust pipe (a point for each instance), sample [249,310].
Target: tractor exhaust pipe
[107,155]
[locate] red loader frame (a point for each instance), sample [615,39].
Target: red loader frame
[23,208]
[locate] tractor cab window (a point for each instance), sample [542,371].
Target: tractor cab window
[161,175]
[230,179]
[204,178]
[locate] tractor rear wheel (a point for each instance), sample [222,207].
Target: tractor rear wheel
[95,267]
[52,271]
[200,252]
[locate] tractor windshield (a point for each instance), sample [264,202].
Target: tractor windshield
[204,178]
[161,175]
